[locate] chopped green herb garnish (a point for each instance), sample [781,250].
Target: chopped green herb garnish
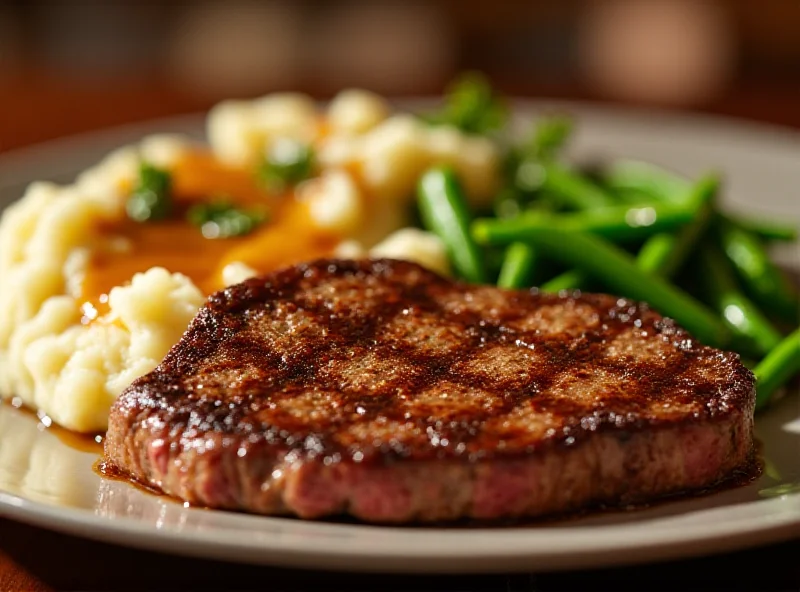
[151,198]
[222,219]
[526,164]
[549,137]
[523,163]
[287,163]
[472,106]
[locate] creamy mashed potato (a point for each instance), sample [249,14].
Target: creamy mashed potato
[68,347]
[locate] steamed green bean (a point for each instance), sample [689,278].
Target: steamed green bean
[664,253]
[552,214]
[444,211]
[573,279]
[618,223]
[617,270]
[645,179]
[519,266]
[768,230]
[572,189]
[739,312]
[761,277]
[777,368]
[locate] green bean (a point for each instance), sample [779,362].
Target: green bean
[769,230]
[617,269]
[575,191]
[544,203]
[763,279]
[760,276]
[745,319]
[519,266]
[657,254]
[634,198]
[509,203]
[636,181]
[574,279]
[664,254]
[572,189]
[445,212]
[777,368]
[618,223]
[646,179]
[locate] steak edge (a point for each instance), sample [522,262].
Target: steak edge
[384,391]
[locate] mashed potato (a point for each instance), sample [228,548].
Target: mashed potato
[49,358]
[69,358]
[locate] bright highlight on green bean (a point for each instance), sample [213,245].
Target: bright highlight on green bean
[618,223]
[760,276]
[664,254]
[445,212]
[519,266]
[739,312]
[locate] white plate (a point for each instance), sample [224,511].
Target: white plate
[48,483]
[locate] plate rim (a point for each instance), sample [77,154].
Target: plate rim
[416,558]
[746,125]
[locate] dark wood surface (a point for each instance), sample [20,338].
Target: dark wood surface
[42,108]
[39,560]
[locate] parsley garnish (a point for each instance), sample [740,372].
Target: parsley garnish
[287,163]
[221,219]
[472,106]
[151,198]
[549,137]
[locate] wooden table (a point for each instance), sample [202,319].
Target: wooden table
[39,560]
[36,559]
[44,106]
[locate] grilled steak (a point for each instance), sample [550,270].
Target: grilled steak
[381,390]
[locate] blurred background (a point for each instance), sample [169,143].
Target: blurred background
[75,65]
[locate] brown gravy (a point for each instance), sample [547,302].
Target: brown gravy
[288,236]
[106,470]
[91,443]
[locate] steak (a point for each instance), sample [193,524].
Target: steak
[379,389]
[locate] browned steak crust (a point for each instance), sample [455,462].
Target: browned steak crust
[380,389]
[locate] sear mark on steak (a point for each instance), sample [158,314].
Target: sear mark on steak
[384,391]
